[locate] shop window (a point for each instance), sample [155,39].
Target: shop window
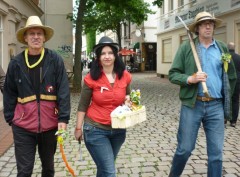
[167,51]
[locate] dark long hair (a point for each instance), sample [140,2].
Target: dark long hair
[96,68]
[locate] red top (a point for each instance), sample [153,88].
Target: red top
[106,98]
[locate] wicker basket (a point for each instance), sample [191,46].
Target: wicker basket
[130,118]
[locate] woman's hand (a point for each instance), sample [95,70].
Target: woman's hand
[128,101]
[78,134]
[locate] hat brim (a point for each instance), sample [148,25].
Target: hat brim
[21,32]
[96,47]
[193,25]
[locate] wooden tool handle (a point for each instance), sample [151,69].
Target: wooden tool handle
[197,61]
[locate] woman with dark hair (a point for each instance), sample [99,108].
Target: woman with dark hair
[105,88]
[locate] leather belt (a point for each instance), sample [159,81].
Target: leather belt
[202,98]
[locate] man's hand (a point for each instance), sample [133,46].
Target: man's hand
[197,77]
[62,125]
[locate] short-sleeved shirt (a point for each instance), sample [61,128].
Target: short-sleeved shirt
[105,97]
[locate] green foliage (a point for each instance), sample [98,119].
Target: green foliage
[105,15]
[102,15]
[158,3]
[91,41]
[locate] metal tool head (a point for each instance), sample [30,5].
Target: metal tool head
[183,23]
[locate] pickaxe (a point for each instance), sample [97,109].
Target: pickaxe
[196,58]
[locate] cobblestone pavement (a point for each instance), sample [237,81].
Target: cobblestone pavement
[149,147]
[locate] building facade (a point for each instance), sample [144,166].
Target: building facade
[13,15]
[171,33]
[143,40]
[55,15]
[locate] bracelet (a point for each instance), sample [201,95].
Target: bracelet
[78,128]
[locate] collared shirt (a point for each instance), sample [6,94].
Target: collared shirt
[212,65]
[105,97]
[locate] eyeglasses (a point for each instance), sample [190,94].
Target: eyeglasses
[207,23]
[33,34]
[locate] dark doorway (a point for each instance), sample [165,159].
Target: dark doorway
[151,57]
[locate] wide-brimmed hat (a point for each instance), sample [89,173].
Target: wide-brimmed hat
[202,16]
[104,41]
[34,22]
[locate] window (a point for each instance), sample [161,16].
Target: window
[167,51]
[220,34]
[162,9]
[194,1]
[183,38]
[125,30]
[180,3]
[170,5]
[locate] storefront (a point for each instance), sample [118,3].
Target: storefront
[171,32]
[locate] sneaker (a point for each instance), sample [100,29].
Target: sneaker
[233,124]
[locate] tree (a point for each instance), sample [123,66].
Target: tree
[77,79]
[102,15]
[108,15]
[91,41]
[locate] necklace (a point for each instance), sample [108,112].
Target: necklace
[35,64]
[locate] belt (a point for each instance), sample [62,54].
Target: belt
[202,98]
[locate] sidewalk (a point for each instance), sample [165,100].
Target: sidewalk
[6,137]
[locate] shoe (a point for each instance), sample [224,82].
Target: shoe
[233,124]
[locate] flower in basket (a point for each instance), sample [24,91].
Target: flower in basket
[226,58]
[130,113]
[135,97]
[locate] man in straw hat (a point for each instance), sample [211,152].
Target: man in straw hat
[36,99]
[196,108]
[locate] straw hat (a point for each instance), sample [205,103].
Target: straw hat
[104,41]
[34,22]
[202,16]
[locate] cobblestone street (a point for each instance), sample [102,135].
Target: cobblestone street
[149,146]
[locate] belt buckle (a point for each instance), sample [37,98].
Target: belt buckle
[205,98]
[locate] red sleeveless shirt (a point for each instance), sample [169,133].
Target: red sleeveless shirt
[105,98]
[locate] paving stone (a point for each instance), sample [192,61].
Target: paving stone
[149,146]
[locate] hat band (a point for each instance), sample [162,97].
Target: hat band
[211,18]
